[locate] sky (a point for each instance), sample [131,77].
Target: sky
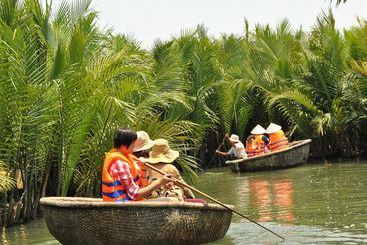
[147,20]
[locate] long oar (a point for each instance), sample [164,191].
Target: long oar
[220,146]
[212,199]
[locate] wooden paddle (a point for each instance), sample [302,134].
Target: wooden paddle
[212,199]
[220,146]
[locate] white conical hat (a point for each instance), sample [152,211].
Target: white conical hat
[258,130]
[272,128]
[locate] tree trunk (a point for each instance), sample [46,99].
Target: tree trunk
[9,217]
[29,200]
[18,209]
[46,174]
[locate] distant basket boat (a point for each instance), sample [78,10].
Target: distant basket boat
[92,221]
[296,154]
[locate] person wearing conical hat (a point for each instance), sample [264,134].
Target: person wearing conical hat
[255,145]
[258,130]
[163,157]
[237,148]
[278,141]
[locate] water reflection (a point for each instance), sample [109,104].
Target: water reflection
[283,189]
[32,233]
[312,204]
[261,199]
[272,200]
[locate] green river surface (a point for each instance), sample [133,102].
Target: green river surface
[311,204]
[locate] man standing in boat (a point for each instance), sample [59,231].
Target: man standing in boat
[237,148]
[121,174]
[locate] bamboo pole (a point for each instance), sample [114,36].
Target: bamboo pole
[214,200]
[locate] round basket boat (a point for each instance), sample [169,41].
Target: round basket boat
[91,221]
[295,155]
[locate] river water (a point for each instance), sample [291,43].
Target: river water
[311,204]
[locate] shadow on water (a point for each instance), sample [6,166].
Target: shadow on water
[312,204]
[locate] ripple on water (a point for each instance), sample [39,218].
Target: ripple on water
[247,233]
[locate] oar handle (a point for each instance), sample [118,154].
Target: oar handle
[221,144]
[212,199]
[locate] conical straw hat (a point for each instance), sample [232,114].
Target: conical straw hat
[272,128]
[258,130]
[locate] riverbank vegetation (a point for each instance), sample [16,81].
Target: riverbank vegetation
[65,85]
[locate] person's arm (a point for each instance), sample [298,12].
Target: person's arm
[145,191]
[121,171]
[176,174]
[144,175]
[222,154]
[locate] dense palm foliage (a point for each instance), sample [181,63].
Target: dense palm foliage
[65,85]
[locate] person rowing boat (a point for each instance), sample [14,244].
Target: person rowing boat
[237,148]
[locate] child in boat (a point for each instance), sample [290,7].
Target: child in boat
[237,148]
[121,172]
[252,145]
[163,158]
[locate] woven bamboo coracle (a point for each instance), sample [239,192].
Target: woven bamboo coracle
[296,154]
[74,220]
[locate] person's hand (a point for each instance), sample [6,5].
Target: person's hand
[166,179]
[226,136]
[169,186]
[217,152]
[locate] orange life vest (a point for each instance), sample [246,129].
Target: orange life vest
[114,190]
[257,148]
[278,141]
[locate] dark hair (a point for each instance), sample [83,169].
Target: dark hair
[124,137]
[265,139]
[143,153]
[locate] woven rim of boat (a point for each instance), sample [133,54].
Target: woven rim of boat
[84,202]
[295,144]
